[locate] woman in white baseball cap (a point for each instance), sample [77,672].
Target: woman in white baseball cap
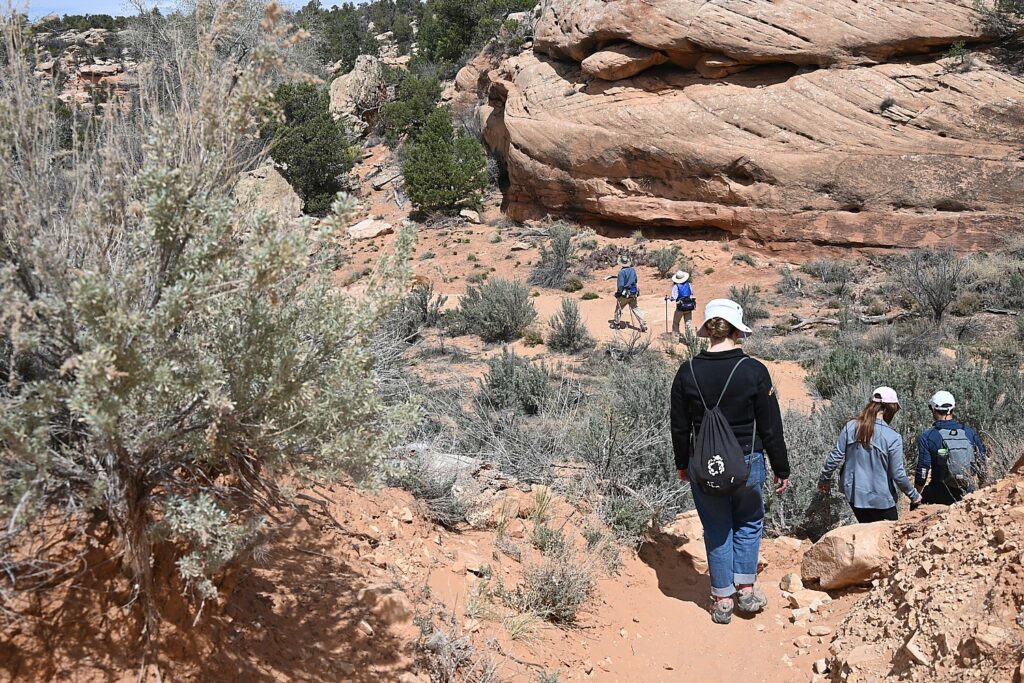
[723,384]
[873,453]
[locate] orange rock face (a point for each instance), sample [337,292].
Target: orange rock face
[778,121]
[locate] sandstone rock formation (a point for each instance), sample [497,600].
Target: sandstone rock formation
[265,189]
[370,228]
[777,121]
[357,96]
[850,555]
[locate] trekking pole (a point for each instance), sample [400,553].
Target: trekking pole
[666,316]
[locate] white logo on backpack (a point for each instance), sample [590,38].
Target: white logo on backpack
[716,466]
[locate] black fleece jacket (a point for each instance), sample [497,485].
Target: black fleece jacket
[750,395]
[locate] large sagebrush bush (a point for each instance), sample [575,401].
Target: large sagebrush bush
[568,331]
[169,358]
[497,311]
[514,382]
[557,259]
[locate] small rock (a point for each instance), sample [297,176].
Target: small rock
[791,583]
[405,515]
[916,652]
[803,642]
[623,633]
[345,667]
[809,599]
[470,215]
[821,667]
[588,667]
[388,604]
[365,628]
[516,529]
[800,614]
[369,228]
[605,664]
[521,246]
[820,631]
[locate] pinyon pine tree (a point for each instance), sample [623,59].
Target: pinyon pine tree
[167,358]
[444,168]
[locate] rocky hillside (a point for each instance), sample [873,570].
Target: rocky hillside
[844,122]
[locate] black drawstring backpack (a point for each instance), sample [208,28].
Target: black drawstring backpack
[719,465]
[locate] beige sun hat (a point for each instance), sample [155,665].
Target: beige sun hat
[680,277]
[625,261]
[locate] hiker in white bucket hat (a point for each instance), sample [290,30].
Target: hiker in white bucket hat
[682,295]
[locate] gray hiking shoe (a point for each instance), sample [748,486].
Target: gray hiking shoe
[752,600]
[721,610]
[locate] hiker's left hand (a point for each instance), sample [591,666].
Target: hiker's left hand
[781,485]
[684,475]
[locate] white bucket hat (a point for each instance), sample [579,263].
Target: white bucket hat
[680,277]
[729,311]
[942,401]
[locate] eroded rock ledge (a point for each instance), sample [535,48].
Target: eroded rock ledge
[721,117]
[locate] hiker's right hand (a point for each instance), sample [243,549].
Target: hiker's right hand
[684,475]
[824,486]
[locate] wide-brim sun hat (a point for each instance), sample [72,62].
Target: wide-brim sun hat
[625,261]
[942,400]
[729,311]
[680,277]
[885,395]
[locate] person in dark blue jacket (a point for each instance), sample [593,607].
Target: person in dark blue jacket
[626,292]
[682,294]
[950,456]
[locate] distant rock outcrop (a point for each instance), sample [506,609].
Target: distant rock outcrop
[838,123]
[357,96]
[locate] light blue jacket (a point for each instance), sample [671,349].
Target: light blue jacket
[870,475]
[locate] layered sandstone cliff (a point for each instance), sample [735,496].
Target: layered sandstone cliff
[836,122]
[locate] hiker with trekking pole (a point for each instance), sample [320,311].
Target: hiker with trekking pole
[682,295]
[870,453]
[951,453]
[626,292]
[725,420]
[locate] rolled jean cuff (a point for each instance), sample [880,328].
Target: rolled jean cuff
[726,592]
[745,579]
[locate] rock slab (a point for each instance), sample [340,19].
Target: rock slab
[850,555]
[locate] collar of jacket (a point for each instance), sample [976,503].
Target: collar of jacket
[947,424]
[731,354]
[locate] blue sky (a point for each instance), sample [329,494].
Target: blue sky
[39,8]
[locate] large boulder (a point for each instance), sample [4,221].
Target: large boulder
[621,60]
[264,189]
[358,96]
[741,131]
[850,555]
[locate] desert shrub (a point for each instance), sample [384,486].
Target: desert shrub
[451,28]
[568,331]
[829,271]
[749,297]
[311,147]
[170,360]
[556,589]
[793,348]
[628,519]
[418,309]
[790,283]
[341,33]
[931,278]
[745,259]
[665,260]
[444,168]
[549,541]
[997,278]
[434,489]
[497,311]
[802,510]
[590,296]
[1005,19]
[556,259]
[415,100]
[512,382]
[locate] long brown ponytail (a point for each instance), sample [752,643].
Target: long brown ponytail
[867,418]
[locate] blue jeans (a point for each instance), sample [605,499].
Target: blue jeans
[732,530]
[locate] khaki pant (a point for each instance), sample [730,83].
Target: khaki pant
[623,301]
[681,315]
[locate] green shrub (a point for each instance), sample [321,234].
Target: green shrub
[549,541]
[626,517]
[749,297]
[170,361]
[573,284]
[434,489]
[497,311]
[829,271]
[745,259]
[311,147]
[451,28]
[590,296]
[416,99]
[556,589]
[568,331]
[790,283]
[556,261]
[444,168]
[515,383]
[665,260]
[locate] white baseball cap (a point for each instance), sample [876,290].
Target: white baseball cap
[729,311]
[885,395]
[942,400]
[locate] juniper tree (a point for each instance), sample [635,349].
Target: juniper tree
[444,168]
